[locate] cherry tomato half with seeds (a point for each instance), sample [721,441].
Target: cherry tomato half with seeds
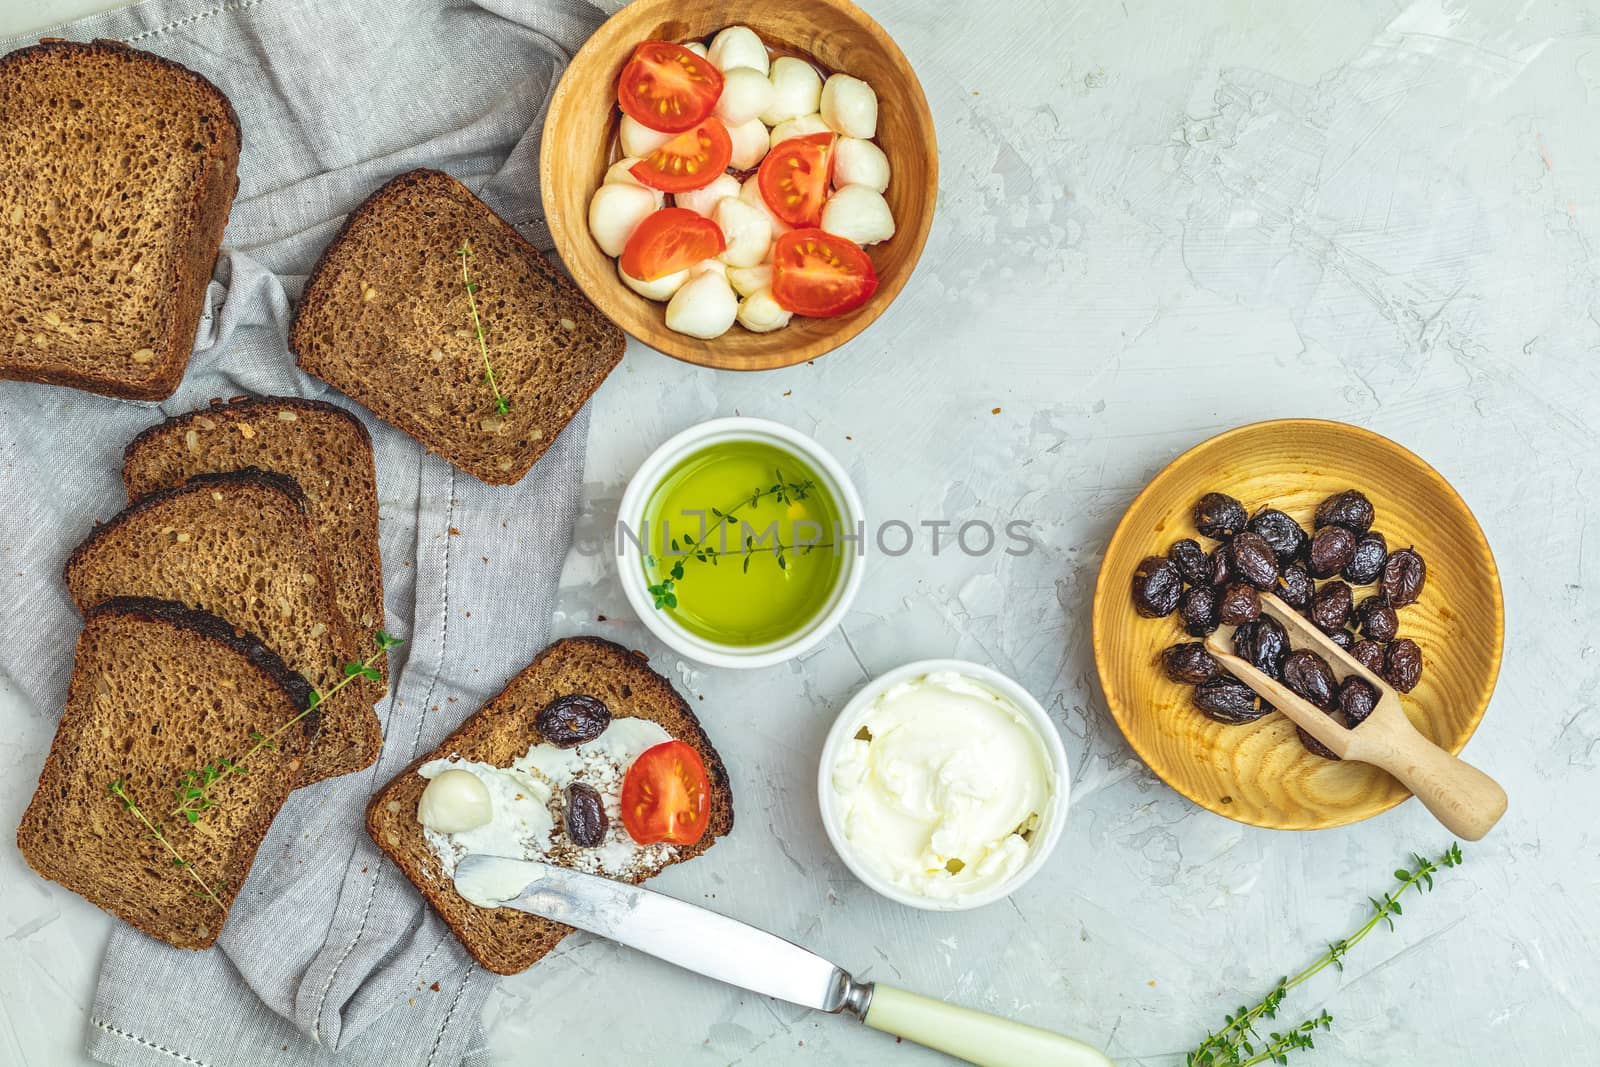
[670,239]
[691,160]
[817,274]
[668,88]
[666,796]
[793,178]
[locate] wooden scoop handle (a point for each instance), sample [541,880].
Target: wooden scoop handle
[1463,798]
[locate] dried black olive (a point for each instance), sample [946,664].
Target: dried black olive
[1189,663]
[1403,577]
[1308,675]
[568,721]
[1287,538]
[1370,655]
[1350,509]
[1191,561]
[1330,608]
[1344,639]
[585,816]
[1315,747]
[1294,586]
[1378,620]
[1199,611]
[1253,559]
[1221,567]
[1228,700]
[1402,665]
[1157,586]
[1262,644]
[1366,562]
[1357,699]
[1332,547]
[1219,516]
[1240,603]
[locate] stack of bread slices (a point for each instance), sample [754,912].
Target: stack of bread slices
[231,652]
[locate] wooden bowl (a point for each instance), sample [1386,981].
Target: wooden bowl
[1260,773]
[580,129]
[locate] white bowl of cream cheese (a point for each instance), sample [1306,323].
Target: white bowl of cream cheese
[943,785]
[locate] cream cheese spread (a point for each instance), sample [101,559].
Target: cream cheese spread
[943,786]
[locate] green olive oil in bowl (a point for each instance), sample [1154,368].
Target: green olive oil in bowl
[739,543]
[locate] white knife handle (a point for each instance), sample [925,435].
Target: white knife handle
[980,1038]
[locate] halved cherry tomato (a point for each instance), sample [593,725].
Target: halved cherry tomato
[667,87]
[794,178]
[665,796]
[671,239]
[817,274]
[692,160]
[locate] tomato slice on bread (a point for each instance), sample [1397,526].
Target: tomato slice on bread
[666,796]
[668,240]
[817,274]
[691,160]
[793,178]
[667,87]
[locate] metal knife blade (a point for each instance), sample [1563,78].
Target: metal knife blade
[691,937]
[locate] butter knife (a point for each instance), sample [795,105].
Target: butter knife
[716,946]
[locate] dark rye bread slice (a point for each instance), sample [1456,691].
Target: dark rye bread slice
[241,546]
[324,448]
[503,940]
[119,169]
[158,690]
[385,317]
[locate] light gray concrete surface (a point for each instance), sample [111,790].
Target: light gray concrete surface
[1156,221]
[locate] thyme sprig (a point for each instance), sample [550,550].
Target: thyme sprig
[782,491]
[119,789]
[502,403]
[193,793]
[1239,1044]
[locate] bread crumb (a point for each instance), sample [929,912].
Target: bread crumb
[434,987]
[454,532]
[996,411]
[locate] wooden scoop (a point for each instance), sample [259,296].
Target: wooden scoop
[1463,798]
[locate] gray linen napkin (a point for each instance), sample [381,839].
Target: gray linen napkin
[328,949]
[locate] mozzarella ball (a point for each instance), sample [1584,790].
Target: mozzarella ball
[750,193]
[659,289]
[453,802]
[639,140]
[849,106]
[747,280]
[803,126]
[616,211]
[858,162]
[859,213]
[750,143]
[620,173]
[759,313]
[698,48]
[747,230]
[746,93]
[796,90]
[738,46]
[705,307]
[709,266]
[704,201]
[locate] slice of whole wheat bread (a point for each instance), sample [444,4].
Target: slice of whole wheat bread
[158,690]
[241,546]
[120,170]
[385,317]
[324,448]
[501,939]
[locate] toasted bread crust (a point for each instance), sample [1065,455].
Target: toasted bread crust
[502,940]
[315,295]
[199,230]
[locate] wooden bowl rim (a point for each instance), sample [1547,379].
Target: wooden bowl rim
[704,353]
[1103,589]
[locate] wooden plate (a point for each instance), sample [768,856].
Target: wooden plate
[1260,773]
[581,126]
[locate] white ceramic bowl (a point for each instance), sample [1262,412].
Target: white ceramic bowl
[631,566]
[1051,821]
